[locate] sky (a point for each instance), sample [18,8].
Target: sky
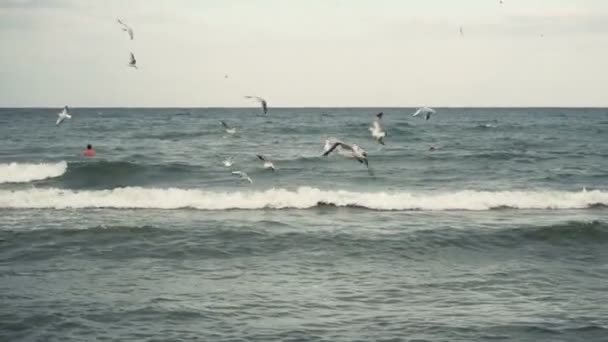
[304,53]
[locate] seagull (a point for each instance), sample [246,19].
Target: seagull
[228,162]
[261,101]
[355,152]
[126,28]
[228,129]
[267,163]
[426,111]
[243,176]
[63,115]
[133,61]
[329,142]
[376,129]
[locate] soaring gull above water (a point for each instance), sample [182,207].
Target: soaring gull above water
[262,102]
[63,115]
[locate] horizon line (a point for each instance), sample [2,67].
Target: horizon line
[307,107]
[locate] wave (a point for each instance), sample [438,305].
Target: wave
[169,242]
[301,198]
[23,173]
[101,174]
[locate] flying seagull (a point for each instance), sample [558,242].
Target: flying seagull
[261,101]
[426,111]
[63,115]
[228,129]
[355,152]
[228,162]
[133,61]
[266,163]
[243,176]
[126,28]
[329,143]
[376,129]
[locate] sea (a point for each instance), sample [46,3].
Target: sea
[480,224]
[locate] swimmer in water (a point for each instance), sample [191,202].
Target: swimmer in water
[89,152]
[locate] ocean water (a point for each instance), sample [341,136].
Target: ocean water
[501,233]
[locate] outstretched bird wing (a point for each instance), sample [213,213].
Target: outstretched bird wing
[335,145]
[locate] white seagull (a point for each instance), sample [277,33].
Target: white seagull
[228,162]
[267,163]
[426,111]
[243,176]
[133,61]
[261,101]
[126,28]
[228,129]
[355,152]
[376,129]
[63,115]
[329,142]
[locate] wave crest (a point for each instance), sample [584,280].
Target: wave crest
[23,173]
[302,198]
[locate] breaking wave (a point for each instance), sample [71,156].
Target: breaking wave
[302,198]
[23,173]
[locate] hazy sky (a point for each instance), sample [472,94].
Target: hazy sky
[305,52]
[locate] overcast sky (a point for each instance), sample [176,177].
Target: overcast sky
[311,53]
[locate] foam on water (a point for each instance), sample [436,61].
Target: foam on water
[23,173]
[302,198]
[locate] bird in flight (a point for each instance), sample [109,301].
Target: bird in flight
[378,133]
[262,102]
[133,61]
[126,28]
[354,151]
[266,162]
[63,115]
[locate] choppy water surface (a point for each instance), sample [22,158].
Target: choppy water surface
[500,233]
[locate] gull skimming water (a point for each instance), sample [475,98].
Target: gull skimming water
[329,142]
[228,162]
[378,133]
[243,176]
[228,129]
[354,152]
[266,163]
[426,111]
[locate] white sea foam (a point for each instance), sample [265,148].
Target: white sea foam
[22,173]
[302,198]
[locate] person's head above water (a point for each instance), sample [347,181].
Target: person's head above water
[89,151]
